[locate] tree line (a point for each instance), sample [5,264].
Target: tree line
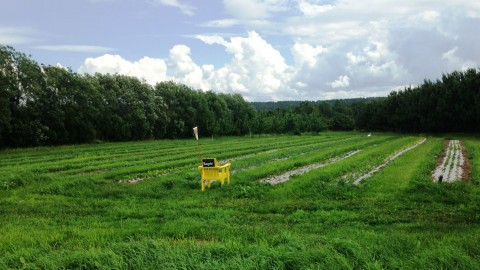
[449,104]
[308,116]
[272,105]
[49,105]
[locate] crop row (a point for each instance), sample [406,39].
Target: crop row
[105,161]
[253,168]
[252,159]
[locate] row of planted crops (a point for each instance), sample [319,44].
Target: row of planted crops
[346,200]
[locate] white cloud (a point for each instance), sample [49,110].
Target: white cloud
[210,40]
[75,48]
[452,59]
[185,70]
[304,53]
[311,9]
[208,71]
[58,65]
[186,9]
[355,59]
[326,32]
[430,16]
[450,55]
[301,84]
[341,82]
[223,23]
[345,50]
[257,70]
[150,69]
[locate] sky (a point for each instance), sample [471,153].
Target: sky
[265,50]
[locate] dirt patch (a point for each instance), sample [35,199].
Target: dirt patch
[139,179]
[132,181]
[277,179]
[378,168]
[454,165]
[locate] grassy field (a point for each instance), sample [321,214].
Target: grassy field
[70,207]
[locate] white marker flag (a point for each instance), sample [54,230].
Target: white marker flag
[195,131]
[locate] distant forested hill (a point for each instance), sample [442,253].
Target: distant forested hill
[272,105]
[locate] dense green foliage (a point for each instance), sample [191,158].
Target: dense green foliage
[47,105]
[451,104]
[307,117]
[272,105]
[64,208]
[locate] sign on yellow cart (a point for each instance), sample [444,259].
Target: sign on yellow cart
[211,171]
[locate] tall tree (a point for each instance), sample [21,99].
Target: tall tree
[7,88]
[242,114]
[26,128]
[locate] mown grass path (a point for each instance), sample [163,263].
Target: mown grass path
[64,208]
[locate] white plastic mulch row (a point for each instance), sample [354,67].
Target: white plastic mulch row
[277,179]
[451,167]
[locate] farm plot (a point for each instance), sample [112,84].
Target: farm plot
[347,169]
[279,168]
[302,155]
[63,208]
[453,162]
[230,152]
[138,161]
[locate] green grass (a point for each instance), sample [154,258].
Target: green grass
[63,208]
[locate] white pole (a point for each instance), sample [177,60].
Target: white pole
[195,131]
